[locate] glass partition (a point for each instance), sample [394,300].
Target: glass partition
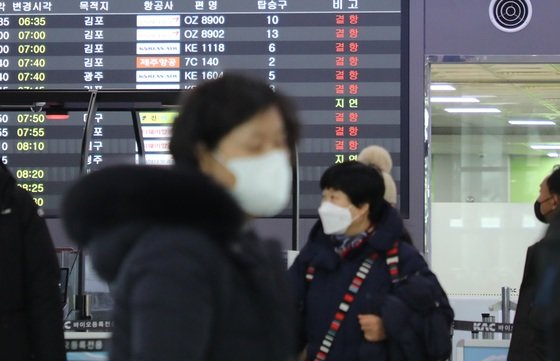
[495,135]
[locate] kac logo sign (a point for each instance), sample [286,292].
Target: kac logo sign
[484,327]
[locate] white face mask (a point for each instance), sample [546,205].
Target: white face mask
[263,183]
[335,219]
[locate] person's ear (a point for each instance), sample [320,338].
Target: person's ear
[203,156]
[364,209]
[555,200]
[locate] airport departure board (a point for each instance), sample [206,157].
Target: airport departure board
[343,62]
[44,154]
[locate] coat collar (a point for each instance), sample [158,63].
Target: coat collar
[320,251]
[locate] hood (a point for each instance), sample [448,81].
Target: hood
[389,229]
[7,186]
[107,209]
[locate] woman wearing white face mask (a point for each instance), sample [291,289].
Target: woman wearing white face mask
[192,281]
[344,277]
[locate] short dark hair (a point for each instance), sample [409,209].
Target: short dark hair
[361,183]
[553,181]
[214,108]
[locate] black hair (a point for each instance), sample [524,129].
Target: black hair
[553,181]
[213,109]
[361,183]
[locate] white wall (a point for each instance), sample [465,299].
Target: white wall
[479,247]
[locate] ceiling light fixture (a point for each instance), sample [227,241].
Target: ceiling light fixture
[454,100]
[545,146]
[443,87]
[472,110]
[531,122]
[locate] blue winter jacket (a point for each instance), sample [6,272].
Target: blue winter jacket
[405,310]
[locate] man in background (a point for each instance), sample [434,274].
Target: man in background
[30,303]
[548,294]
[530,334]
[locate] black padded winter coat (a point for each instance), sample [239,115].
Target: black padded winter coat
[188,282]
[30,303]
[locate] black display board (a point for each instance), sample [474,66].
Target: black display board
[344,62]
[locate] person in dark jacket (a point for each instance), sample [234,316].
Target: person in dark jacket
[547,298]
[383,321]
[191,281]
[30,303]
[528,341]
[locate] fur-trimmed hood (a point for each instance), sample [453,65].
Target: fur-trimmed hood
[106,210]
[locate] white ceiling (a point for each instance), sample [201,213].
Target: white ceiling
[520,91]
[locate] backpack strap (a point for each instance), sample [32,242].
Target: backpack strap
[392,259]
[344,306]
[309,274]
